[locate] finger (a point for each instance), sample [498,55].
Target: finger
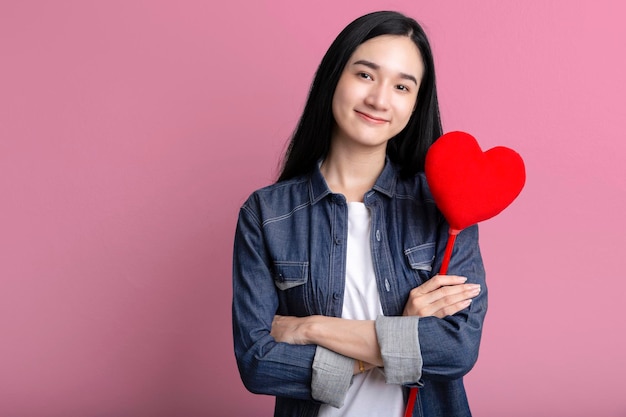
[453,309]
[449,293]
[439,281]
[451,296]
[423,305]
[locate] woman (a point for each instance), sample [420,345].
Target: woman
[337,308]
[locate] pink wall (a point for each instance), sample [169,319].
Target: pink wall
[131,132]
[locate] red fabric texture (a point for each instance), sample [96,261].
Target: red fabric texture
[470,185]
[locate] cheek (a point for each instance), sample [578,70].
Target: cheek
[406,111]
[335,108]
[340,100]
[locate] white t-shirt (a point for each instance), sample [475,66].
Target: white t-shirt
[369,394]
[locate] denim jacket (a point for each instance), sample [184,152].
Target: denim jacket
[289,259]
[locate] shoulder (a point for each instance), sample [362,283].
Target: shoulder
[278,199]
[414,188]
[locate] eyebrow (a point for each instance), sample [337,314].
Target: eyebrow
[375,66]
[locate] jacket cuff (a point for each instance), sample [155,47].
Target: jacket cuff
[332,377]
[400,349]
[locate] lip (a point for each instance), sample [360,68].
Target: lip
[370,118]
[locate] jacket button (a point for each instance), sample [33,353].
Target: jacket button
[378,235]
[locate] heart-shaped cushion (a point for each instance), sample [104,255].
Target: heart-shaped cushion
[470,185]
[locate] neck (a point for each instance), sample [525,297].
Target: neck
[352,173]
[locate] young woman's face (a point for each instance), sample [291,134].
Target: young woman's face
[377,91]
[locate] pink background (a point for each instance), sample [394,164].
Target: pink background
[131,132]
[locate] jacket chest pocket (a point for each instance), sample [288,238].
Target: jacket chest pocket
[420,259]
[288,275]
[291,278]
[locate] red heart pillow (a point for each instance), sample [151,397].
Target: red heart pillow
[470,185]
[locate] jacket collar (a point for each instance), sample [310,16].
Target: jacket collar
[385,184]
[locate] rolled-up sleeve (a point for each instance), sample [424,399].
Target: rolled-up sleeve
[399,346]
[332,377]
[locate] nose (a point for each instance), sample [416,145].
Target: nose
[378,96]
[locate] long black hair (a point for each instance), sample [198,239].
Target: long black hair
[311,138]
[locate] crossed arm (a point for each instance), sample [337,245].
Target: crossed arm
[441,296]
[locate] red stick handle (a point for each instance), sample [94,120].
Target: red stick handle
[448,253]
[410,405]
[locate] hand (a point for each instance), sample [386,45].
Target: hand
[440,296]
[289,329]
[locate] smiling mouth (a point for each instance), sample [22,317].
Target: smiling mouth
[370,118]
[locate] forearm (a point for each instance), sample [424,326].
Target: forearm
[389,342]
[353,338]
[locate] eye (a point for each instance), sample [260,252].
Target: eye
[364,75]
[402,87]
